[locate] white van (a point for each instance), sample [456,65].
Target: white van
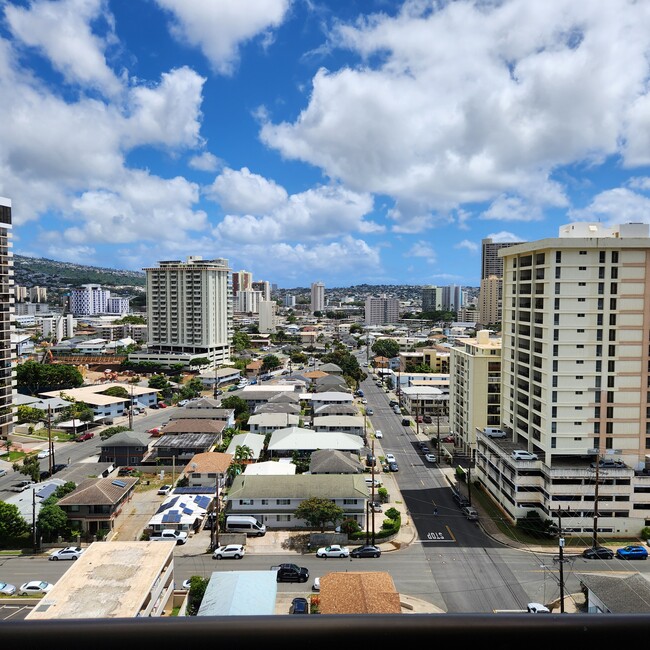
[245,524]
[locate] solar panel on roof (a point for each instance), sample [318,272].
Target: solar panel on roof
[118,483]
[202,501]
[173,517]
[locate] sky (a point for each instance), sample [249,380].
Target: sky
[341,141]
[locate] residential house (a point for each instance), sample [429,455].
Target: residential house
[285,442]
[354,424]
[268,422]
[96,503]
[331,369]
[278,407]
[254,441]
[180,448]
[271,468]
[628,593]
[330,383]
[207,469]
[180,511]
[333,461]
[336,409]
[330,397]
[124,448]
[195,425]
[272,500]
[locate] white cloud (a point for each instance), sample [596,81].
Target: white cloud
[470,101]
[640,183]
[205,162]
[422,249]
[504,237]
[512,208]
[615,206]
[471,246]
[219,28]
[273,215]
[62,31]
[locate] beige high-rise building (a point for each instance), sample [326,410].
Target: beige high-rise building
[490,300]
[475,387]
[381,310]
[576,380]
[7,384]
[317,296]
[241,281]
[189,312]
[268,318]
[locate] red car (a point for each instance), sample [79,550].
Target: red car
[85,436]
[162,405]
[448,439]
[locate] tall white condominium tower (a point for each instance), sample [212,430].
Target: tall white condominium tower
[490,290]
[576,380]
[289,301]
[189,312]
[452,297]
[317,296]
[88,300]
[6,319]
[267,311]
[381,310]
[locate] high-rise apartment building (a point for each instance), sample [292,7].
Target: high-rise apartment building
[576,380]
[289,301]
[248,301]
[431,298]
[490,300]
[56,327]
[491,290]
[88,300]
[241,280]
[381,310]
[38,294]
[317,296]
[264,287]
[452,297]
[267,311]
[475,387]
[6,320]
[189,312]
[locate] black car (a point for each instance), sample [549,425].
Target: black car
[424,448]
[406,422]
[44,475]
[58,467]
[299,606]
[392,467]
[598,553]
[366,551]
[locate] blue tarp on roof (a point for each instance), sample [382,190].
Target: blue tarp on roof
[240,593]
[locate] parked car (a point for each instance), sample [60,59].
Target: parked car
[154,406]
[375,506]
[470,513]
[379,434]
[430,457]
[299,606]
[538,608]
[235,551]
[84,436]
[522,454]
[390,458]
[393,467]
[424,448]
[21,486]
[162,405]
[6,589]
[44,453]
[448,439]
[598,553]
[335,550]
[632,552]
[44,475]
[155,431]
[609,463]
[164,489]
[35,588]
[316,585]
[369,411]
[67,553]
[183,402]
[406,422]
[127,471]
[186,584]
[427,419]
[368,550]
[57,467]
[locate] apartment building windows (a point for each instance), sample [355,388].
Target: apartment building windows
[614,257]
[601,257]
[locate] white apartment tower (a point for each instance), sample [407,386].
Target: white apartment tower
[6,320]
[264,287]
[248,301]
[475,387]
[88,300]
[381,310]
[576,379]
[57,327]
[189,312]
[317,296]
[490,300]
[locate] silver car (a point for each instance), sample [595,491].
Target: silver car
[6,589]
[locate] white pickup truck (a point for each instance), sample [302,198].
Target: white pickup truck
[169,535]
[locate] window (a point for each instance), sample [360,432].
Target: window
[558,257]
[580,331]
[581,299]
[581,315]
[613,287]
[614,273]
[582,284]
[283,502]
[614,257]
[580,361]
[246,502]
[578,408]
[582,253]
[601,257]
[580,346]
[579,376]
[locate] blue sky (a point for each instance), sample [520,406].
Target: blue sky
[345,141]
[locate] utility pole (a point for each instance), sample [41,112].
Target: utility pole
[561,548]
[469,482]
[215,523]
[50,444]
[34,520]
[373,490]
[595,538]
[131,410]
[367,522]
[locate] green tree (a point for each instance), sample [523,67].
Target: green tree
[30,467]
[270,362]
[131,320]
[198,585]
[239,405]
[158,382]
[33,378]
[52,521]
[116,391]
[12,524]
[29,414]
[241,341]
[318,511]
[111,431]
[201,361]
[78,412]
[388,348]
